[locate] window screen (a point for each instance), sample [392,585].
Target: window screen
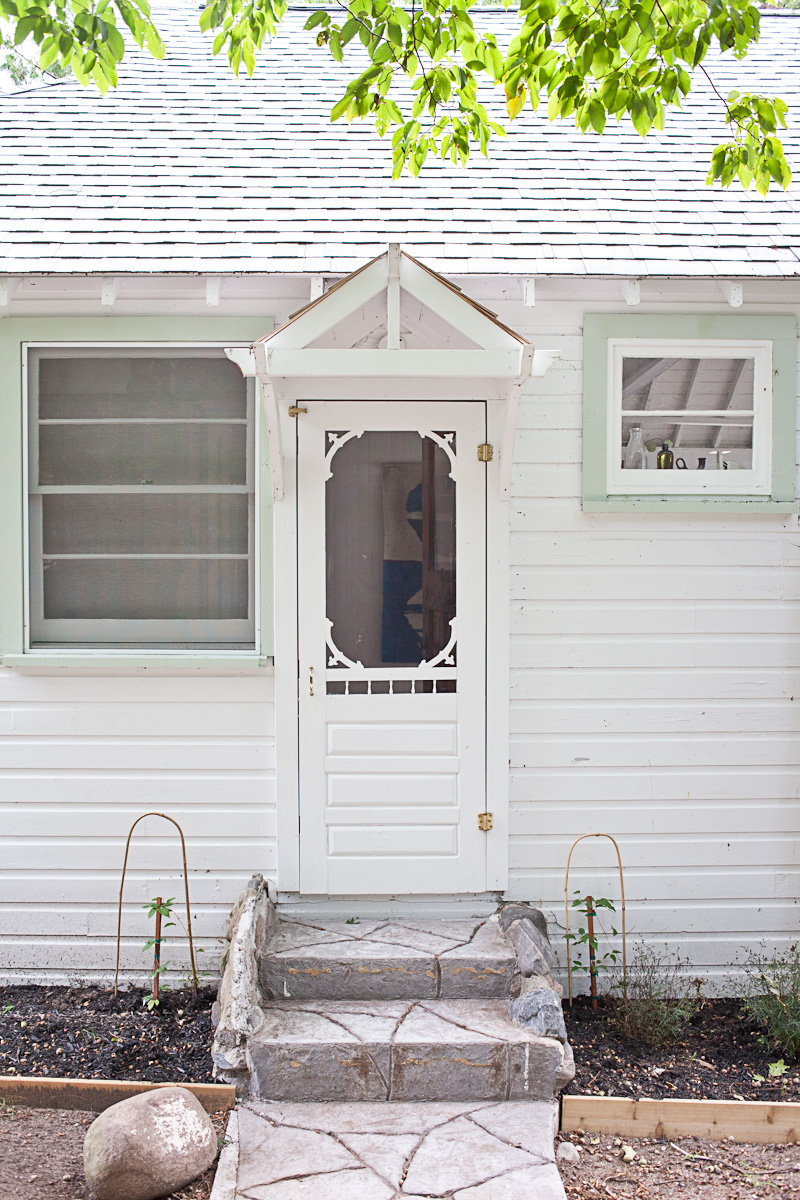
[142,499]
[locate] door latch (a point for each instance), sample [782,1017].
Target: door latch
[485,452]
[485,821]
[295,410]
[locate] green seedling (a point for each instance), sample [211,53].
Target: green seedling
[586,905]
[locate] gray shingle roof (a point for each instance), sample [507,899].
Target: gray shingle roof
[183,168]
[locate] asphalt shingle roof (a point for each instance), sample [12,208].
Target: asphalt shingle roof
[185,169]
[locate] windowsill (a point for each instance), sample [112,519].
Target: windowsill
[690,504]
[98,663]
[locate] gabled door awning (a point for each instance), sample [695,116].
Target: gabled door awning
[392,320]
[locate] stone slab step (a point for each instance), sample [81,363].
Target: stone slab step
[387,960]
[336,1151]
[428,1050]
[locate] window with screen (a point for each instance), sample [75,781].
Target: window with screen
[689,418]
[141,499]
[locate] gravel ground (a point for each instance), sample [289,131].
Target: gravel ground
[685,1169]
[41,1155]
[719,1057]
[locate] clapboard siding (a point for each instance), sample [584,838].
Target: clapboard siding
[81,759]
[655,684]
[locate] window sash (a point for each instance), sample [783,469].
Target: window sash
[753,481]
[129,633]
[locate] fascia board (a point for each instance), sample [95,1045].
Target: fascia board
[465,364]
[332,308]
[456,309]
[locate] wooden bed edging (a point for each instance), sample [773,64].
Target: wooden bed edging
[742,1120]
[95,1095]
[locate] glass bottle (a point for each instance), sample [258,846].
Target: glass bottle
[635,452]
[664,458]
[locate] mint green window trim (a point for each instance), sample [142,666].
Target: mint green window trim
[161,331]
[779,329]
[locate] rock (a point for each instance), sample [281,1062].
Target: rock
[150,1145]
[534,955]
[237,1011]
[627,1154]
[520,912]
[566,1072]
[542,1013]
[567,1154]
[532,983]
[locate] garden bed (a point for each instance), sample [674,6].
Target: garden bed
[87,1033]
[719,1056]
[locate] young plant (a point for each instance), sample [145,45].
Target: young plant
[655,1006]
[159,909]
[586,936]
[772,996]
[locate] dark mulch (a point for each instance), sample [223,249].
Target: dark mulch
[41,1155]
[718,1057]
[85,1033]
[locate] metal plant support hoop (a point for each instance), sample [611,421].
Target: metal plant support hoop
[186,889]
[566,911]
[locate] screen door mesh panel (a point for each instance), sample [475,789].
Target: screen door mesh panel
[141,499]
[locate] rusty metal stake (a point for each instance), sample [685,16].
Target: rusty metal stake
[592,959]
[186,889]
[157,951]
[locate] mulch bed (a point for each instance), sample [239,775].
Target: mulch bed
[85,1033]
[41,1155]
[718,1057]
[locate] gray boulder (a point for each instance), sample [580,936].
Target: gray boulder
[534,955]
[542,1013]
[150,1145]
[520,912]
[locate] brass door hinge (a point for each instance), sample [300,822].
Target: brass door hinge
[485,821]
[485,452]
[294,410]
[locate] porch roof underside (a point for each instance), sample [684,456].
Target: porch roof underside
[185,169]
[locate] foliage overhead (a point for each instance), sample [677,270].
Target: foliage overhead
[426,59]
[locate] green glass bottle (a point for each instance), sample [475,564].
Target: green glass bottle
[664,458]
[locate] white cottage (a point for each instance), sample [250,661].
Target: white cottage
[390,536]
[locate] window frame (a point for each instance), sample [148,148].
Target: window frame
[770,340]
[692,483]
[119,635]
[160,331]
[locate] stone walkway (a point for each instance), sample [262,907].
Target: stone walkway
[390,1151]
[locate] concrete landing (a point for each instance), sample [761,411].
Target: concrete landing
[428,1050]
[450,1151]
[392,959]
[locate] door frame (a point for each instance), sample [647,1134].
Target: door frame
[498,602]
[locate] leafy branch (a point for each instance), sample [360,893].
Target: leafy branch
[589,60]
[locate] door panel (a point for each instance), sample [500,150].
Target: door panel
[391,585]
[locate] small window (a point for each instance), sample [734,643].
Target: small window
[689,411]
[690,418]
[141,499]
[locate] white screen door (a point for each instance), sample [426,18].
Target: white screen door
[391,520]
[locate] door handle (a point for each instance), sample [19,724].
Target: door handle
[311,681]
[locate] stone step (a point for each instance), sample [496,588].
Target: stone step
[387,960]
[423,1050]
[463,1151]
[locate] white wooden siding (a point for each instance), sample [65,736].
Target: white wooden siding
[654,691]
[80,759]
[655,695]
